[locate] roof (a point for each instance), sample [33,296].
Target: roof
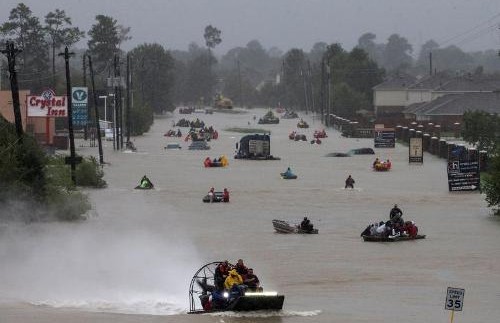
[461,83]
[396,82]
[458,104]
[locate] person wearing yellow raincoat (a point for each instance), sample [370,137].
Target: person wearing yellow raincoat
[232,278]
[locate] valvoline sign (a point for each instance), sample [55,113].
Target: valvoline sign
[79,105]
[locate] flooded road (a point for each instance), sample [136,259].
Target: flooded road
[133,260]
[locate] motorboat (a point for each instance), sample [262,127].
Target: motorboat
[282,226]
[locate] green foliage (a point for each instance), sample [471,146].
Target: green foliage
[89,173]
[482,129]
[212,36]
[141,119]
[153,77]
[33,186]
[397,53]
[105,38]
[27,33]
[491,184]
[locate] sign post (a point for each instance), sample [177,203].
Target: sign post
[79,102]
[454,300]
[415,151]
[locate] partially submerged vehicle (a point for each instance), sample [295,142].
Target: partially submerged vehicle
[199,145]
[361,151]
[255,147]
[203,286]
[297,136]
[282,226]
[173,145]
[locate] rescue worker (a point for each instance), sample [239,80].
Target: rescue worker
[225,195]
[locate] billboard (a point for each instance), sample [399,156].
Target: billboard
[79,111]
[415,151]
[463,174]
[385,138]
[47,105]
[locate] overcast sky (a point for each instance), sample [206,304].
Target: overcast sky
[470,24]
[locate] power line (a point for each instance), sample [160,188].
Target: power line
[446,41]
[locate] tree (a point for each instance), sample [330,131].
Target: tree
[482,129]
[375,51]
[293,67]
[57,27]
[27,32]
[153,76]
[491,183]
[105,38]
[397,53]
[212,37]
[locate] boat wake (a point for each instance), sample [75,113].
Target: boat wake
[134,307]
[265,313]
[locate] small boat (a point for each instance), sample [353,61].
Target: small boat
[302,124]
[381,167]
[284,227]
[218,197]
[288,176]
[203,284]
[391,238]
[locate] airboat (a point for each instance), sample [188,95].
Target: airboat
[203,285]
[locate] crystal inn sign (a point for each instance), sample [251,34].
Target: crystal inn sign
[47,105]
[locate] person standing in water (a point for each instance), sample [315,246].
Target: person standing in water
[349,182]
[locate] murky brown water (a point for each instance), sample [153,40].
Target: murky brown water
[139,251]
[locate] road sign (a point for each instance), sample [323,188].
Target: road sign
[454,299]
[79,105]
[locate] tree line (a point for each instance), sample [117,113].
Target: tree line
[325,77]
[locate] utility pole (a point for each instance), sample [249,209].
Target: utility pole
[329,89]
[84,67]
[322,91]
[128,99]
[305,89]
[313,108]
[96,110]
[239,80]
[430,63]
[11,53]
[115,98]
[72,160]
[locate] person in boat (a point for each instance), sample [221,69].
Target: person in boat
[241,268]
[221,273]
[411,229]
[130,145]
[252,281]
[179,133]
[218,299]
[211,194]
[388,164]
[349,182]
[396,214]
[376,162]
[145,182]
[207,162]
[306,225]
[288,172]
[233,279]
[225,195]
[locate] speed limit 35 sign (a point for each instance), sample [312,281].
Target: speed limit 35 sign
[454,299]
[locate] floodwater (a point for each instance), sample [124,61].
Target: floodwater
[133,259]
